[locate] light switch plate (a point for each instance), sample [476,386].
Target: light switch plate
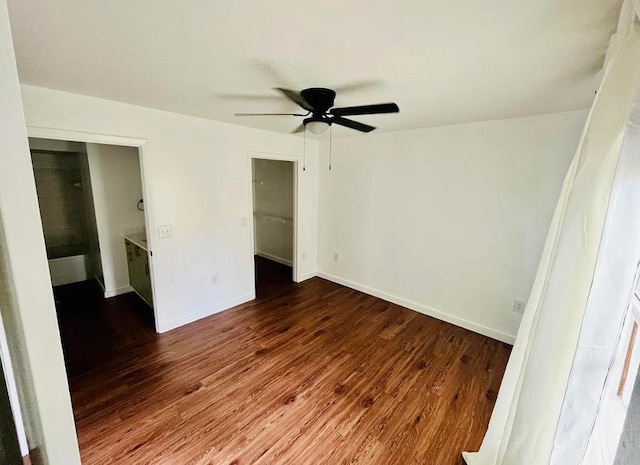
[165,231]
[519,306]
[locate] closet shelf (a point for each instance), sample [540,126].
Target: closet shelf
[273,218]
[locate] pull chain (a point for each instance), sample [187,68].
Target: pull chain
[330,145]
[304,149]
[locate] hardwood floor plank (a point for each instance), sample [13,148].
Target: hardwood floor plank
[314,373]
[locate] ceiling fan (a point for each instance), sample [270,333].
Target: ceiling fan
[318,102]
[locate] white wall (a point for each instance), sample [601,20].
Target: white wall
[26,298]
[197,177]
[449,221]
[116,186]
[273,204]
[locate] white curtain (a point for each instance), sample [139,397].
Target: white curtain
[548,402]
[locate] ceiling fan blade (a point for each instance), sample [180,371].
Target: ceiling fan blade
[349,123]
[295,97]
[366,109]
[356,86]
[299,129]
[270,114]
[248,97]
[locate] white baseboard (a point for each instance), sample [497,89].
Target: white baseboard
[117,291]
[190,318]
[268,256]
[438,314]
[306,276]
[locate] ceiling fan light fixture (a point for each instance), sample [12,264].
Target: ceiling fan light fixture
[317,127]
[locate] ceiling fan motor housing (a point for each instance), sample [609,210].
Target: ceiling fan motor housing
[319,98]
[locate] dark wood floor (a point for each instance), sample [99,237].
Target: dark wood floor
[311,373]
[272,279]
[93,328]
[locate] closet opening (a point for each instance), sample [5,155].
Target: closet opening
[274,224]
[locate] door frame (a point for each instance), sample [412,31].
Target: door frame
[109,139]
[12,390]
[251,155]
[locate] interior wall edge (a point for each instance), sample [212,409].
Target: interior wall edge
[27,299]
[306,276]
[12,389]
[429,311]
[117,291]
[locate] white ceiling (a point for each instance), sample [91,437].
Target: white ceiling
[442,61]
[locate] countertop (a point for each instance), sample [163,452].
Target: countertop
[139,239]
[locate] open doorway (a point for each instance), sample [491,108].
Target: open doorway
[274,231]
[94,225]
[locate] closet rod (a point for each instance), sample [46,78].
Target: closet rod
[273,218]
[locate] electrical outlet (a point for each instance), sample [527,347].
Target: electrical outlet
[214,279]
[243,222]
[165,231]
[336,257]
[519,306]
[303,256]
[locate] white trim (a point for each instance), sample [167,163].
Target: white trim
[184,320]
[273,156]
[12,390]
[149,226]
[118,291]
[304,277]
[438,314]
[81,136]
[274,258]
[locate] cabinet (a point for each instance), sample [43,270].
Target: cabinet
[139,274]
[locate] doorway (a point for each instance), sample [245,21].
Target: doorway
[274,201]
[92,209]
